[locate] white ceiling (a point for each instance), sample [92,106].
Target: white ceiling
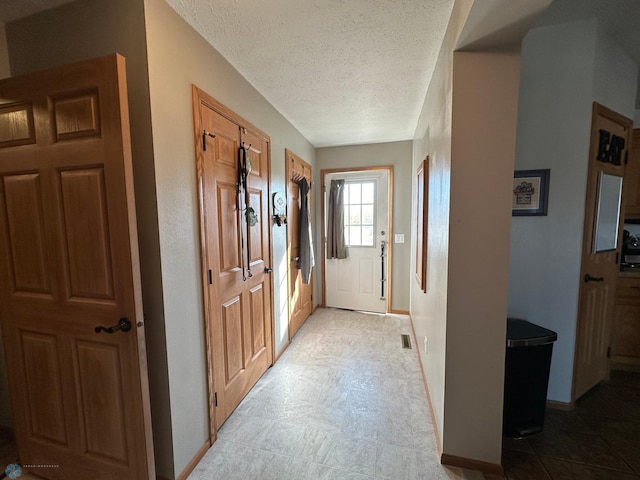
[356,71]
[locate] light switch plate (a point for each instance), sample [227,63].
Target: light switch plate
[398,238]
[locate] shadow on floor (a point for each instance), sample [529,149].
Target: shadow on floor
[598,440]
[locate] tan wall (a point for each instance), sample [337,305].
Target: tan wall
[89,29]
[485,100]
[178,58]
[397,154]
[433,138]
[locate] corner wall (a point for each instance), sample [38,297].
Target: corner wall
[485,105]
[397,154]
[179,57]
[554,127]
[433,137]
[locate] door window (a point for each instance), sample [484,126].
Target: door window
[359,213]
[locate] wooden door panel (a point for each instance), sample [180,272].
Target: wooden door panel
[22,195]
[257,315]
[86,234]
[103,398]
[233,339]
[77,116]
[16,125]
[46,418]
[257,231]
[228,228]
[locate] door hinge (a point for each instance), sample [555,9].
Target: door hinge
[210,277]
[608,352]
[215,396]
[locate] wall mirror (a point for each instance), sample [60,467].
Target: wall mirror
[608,213]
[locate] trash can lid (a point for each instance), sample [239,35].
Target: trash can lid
[521,333]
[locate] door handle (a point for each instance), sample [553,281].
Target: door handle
[268,269]
[589,278]
[124,324]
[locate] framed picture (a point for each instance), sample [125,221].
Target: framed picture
[530,192]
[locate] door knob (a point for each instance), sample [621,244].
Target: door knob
[589,278]
[124,324]
[268,269]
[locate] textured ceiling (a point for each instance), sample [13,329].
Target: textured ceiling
[341,71]
[356,71]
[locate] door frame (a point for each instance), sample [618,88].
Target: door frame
[200,96]
[323,174]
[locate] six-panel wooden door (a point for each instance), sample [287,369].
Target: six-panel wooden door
[300,294]
[69,263]
[238,304]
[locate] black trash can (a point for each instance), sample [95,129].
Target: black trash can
[526,377]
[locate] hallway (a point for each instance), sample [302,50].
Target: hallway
[345,401]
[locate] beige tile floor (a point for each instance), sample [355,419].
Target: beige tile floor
[344,401]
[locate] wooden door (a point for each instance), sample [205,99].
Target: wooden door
[300,295]
[238,304]
[610,142]
[69,263]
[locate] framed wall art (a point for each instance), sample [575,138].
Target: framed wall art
[530,192]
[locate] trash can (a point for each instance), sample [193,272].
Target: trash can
[526,377]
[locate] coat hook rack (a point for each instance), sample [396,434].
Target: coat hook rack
[206,134]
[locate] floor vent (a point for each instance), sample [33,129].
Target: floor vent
[406,340]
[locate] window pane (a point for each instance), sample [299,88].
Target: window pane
[367,236]
[354,215]
[367,214]
[367,193]
[354,236]
[354,193]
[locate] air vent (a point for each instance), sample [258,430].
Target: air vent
[406,340]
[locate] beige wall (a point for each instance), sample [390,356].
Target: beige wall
[178,58]
[89,29]
[397,154]
[433,138]
[485,99]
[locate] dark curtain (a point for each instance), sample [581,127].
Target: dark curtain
[336,245]
[306,260]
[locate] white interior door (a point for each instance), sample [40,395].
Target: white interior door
[358,282]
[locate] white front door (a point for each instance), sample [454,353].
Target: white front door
[358,282]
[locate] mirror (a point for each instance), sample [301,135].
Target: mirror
[608,213]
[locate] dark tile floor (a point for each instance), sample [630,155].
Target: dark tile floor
[598,440]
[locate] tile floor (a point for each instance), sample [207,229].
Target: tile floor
[345,401]
[598,440]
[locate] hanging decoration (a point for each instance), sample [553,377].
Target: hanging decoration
[250,215]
